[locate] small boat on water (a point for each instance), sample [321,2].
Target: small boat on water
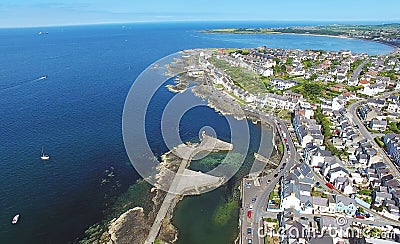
[15,219]
[43,33]
[43,77]
[44,156]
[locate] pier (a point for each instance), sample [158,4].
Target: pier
[185,181]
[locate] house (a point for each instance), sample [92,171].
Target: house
[293,95]
[320,204]
[306,205]
[376,103]
[397,85]
[345,205]
[367,113]
[379,197]
[298,71]
[281,84]
[377,124]
[323,240]
[338,143]
[394,107]
[393,209]
[337,172]
[373,89]
[307,130]
[364,83]
[290,196]
[303,171]
[341,78]
[393,99]
[356,178]
[383,80]
[344,184]
[295,232]
[392,146]
[315,156]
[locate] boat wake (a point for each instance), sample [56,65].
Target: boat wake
[21,83]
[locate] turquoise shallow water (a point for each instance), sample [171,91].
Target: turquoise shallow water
[75,114]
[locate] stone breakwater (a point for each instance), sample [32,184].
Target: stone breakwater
[135,226]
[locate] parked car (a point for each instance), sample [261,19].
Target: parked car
[248,185]
[249,231]
[249,214]
[330,186]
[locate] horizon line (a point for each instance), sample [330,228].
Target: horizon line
[388,21]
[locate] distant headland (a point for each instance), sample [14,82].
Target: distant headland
[388,34]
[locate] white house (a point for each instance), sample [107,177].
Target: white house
[373,90]
[337,172]
[290,196]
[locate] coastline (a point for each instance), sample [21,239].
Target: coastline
[218,105]
[395,48]
[114,229]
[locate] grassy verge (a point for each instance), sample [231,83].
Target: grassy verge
[247,80]
[380,143]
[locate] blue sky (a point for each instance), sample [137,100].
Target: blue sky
[16,13]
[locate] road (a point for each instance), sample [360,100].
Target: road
[357,71]
[261,193]
[378,217]
[268,183]
[353,115]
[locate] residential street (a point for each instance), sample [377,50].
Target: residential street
[352,114]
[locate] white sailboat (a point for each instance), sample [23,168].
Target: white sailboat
[44,156]
[15,219]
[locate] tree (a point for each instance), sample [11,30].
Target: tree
[313,77]
[312,88]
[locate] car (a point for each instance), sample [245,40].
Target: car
[249,231]
[249,241]
[249,214]
[248,185]
[254,200]
[330,185]
[251,206]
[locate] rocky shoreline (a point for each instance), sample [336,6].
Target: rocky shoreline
[133,225]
